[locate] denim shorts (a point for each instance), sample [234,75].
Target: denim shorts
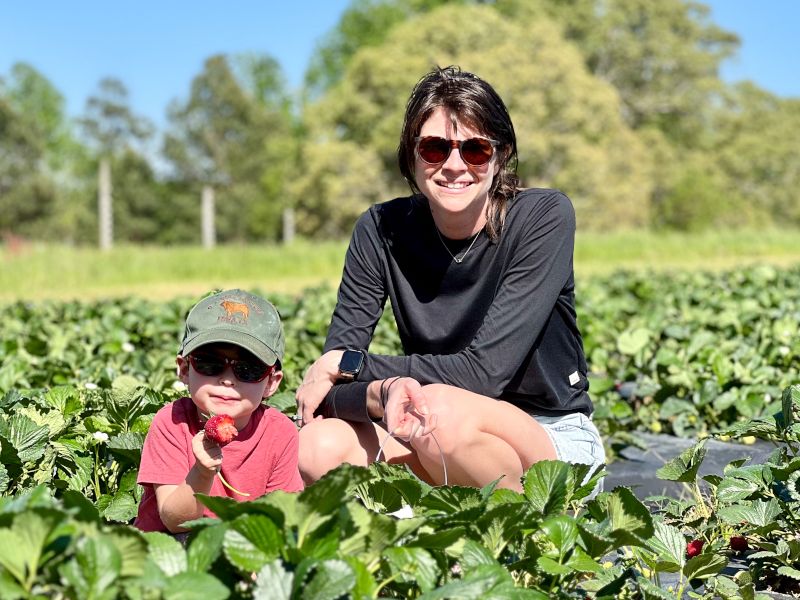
[575,439]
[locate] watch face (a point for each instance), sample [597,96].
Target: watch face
[351,362]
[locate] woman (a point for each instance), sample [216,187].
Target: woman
[479,274]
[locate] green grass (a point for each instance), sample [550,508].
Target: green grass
[39,271]
[35,272]
[710,251]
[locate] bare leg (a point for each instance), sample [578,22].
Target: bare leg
[481,440]
[327,443]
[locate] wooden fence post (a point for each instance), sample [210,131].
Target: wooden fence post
[105,216]
[288,225]
[207,218]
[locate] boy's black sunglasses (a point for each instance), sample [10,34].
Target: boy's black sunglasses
[476,151]
[245,370]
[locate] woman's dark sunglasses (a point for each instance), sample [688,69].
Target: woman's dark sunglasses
[476,151]
[245,370]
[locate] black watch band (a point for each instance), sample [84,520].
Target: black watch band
[350,364]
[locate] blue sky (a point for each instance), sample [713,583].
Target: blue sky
[156,48]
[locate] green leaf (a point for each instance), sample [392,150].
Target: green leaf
[166,552]
[582,562]
[790,399]
[122,508]
[500,524]
[704,565]
[5,479]
[759,513]
[132,549]
[262,532]
[630,520]
[631,341]
[65,399]
[28,438]
[595,544]
[190,586]
[284,402]
[441,539]
[545,486]
[244,554]
[21,545]
[10,589]
[128,446]
[552,567]
[450,500]
[562,533]
[789,572]
[474,555]
[411,565]
[380,496]
[733,489]
[684,466]
[81,507]
[669,544]
[485,581]
[273,582]
[225,508]
[95,569]
[327,494]
[650,591]
[206,547]
[333,579]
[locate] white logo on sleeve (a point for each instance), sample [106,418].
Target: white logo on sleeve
[574,378]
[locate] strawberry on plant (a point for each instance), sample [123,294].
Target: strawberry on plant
[694,548]
[221,429]
[738,543]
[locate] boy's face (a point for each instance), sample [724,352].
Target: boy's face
[226,394]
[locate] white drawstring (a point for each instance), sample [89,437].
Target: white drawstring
[391,435]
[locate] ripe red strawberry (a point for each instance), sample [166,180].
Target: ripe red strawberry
[738,543]
[221,429]
[694,548]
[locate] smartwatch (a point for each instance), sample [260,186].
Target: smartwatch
[351,364]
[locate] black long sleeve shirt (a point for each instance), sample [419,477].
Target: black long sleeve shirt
[501,323]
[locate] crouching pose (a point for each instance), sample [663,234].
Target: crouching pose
[479,275]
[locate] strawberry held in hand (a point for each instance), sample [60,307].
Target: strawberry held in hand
[221,429]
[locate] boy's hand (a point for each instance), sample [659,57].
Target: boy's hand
[207,454]
[406,414]
[318,381]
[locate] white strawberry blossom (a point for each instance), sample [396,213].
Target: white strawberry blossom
[90,386]
[100,436]
[128,347]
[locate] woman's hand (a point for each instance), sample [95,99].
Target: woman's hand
[406,413]
[318,381]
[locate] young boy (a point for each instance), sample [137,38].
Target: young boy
[230,360]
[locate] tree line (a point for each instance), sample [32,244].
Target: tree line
[617,102]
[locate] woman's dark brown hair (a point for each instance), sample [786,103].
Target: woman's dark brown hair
[467,99]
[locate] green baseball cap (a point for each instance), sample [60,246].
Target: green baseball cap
[235,317]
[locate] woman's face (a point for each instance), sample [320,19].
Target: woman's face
[457,192]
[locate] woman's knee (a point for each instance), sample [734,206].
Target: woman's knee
[324,445]
[454,427]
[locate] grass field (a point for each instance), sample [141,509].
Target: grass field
[36,272]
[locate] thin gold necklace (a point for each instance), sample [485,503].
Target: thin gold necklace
[463,256]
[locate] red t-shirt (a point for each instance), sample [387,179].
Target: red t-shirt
[261,459]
